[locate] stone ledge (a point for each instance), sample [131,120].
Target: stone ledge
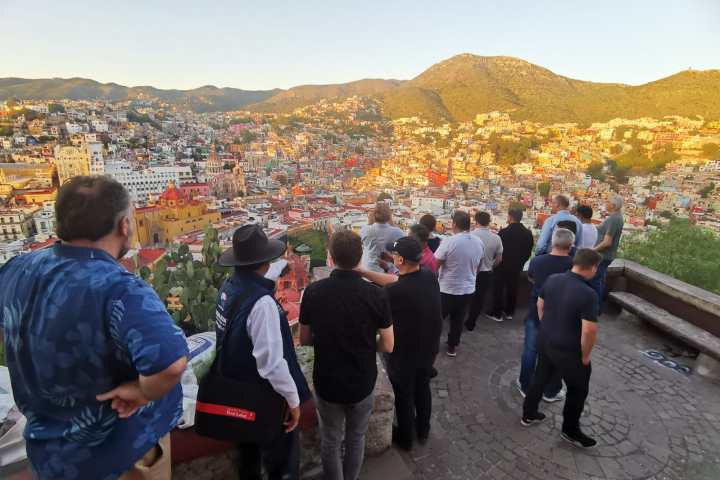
[677,289]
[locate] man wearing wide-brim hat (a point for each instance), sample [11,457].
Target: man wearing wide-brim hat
[260,346]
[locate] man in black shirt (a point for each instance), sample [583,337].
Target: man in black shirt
[568,312]
[517,244]
[341,316]
[417,323]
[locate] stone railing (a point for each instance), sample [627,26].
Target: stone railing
[199,458]
[379,435]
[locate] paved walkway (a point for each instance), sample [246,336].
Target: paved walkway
[651,421]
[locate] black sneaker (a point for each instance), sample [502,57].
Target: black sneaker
[451,351]
[537,418]
[470,326]
[579,439]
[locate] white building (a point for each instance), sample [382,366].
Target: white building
[45,220]
[152,181]
[9,250]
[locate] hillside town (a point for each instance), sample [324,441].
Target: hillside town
[324,166]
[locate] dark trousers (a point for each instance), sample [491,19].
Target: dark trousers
[483,283]
[455,307]
[281,458]
[599,281]
[529,358]
[413,401]
[576,376]
[505,292]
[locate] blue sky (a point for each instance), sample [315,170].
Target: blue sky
[265,44]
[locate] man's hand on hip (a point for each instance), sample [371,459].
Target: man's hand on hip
[126,399]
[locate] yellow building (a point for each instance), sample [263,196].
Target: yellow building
[86,159]
[174,214]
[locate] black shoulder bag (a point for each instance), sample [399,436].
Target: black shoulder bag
[239,411]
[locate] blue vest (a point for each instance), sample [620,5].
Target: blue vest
[236,300]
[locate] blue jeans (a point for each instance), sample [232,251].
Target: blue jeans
[529,359]
[599,282]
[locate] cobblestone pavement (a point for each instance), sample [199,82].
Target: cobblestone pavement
[651,422]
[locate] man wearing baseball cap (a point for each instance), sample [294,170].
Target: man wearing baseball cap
[417,318]
[260,346]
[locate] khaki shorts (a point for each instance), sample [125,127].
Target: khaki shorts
[154,465]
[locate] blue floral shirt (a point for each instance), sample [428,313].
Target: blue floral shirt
[78,324]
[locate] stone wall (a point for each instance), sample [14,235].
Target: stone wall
[379,435]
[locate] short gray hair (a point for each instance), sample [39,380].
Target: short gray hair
[563,238]
[617,202]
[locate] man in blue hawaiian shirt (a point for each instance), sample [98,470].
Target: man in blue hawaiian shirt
[94,358]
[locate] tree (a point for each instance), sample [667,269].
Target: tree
[616,149]
[711,151]
[619,132]
[707,190]
[680,249]
[56,108]
[543,189]
[595,170]
[384,196]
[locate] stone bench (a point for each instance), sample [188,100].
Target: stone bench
[708,362]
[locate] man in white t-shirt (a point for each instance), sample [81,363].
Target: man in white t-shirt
[459,258]
[589,232]
[493,256]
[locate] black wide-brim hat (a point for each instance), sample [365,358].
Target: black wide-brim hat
[250,246]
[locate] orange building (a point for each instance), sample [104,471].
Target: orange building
[174,214]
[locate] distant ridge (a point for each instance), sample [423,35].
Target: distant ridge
[455,89]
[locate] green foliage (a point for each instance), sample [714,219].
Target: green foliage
[635,162]
[6,130]
[619,132]
[246,137]
[511,152]
[711,151]
[680,249]
[707,190]
[56,108]
[616,149]
[196,283]
[136,117]
[543,188]
[314,239]
[384,196]
[595,170]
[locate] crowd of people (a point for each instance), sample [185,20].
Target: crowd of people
[95,359]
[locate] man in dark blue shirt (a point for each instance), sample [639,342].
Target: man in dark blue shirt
[94,358]
[541,267]
[568,312]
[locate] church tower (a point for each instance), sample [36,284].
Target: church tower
[213,164]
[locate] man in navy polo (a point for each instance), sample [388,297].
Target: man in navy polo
[568,312]
[94,358]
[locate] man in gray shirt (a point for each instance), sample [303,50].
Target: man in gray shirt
[459,257]
[609,233]
[376,236]
[493,256]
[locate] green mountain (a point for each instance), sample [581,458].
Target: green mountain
[288,100]
[465,85]
[453,90]
[203,99]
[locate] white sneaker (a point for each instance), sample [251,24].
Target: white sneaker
[508,317]
[496,319]
[557,398]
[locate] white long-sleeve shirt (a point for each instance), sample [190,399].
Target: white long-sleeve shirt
[263,327]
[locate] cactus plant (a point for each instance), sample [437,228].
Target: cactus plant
[195,283]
